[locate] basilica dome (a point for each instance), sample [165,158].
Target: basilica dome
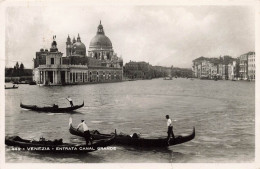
[100,41]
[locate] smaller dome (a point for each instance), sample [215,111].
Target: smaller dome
[78,46]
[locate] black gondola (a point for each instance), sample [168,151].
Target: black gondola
[57,146]
[11,87]
[135,140]
[53,109]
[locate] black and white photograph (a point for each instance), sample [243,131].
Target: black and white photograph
[101,83]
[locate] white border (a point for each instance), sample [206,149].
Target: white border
[4,4]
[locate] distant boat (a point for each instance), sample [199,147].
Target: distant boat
[14,87]
[32,83]
[167,78]
[21,82]
[204,78]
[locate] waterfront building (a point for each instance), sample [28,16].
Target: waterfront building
[225,67]
[213,70]
[232,70]
[243,71]
[251,65]
[196,69]
[220,71]
[224,72]
[205,68]
[102,64]
[138,70]
[40,58]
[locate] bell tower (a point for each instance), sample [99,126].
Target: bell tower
[68,46]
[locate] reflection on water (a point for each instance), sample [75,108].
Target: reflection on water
[221,111]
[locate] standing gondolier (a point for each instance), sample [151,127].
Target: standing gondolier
[87,134]
[170,130]
[70,100]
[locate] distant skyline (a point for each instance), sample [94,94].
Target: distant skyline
[160,35]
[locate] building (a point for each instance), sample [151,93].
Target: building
[251,65]
[213,71]
[138,70]
[102,64]
[220,71]
[40,58]
[205,69]
[225,67]
[232,70]
[243,71]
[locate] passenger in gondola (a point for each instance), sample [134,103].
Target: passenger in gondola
[70,100]
[87,134]
[14,86]
[170,130]
[55,106]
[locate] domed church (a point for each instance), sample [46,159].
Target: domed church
[100,65]
[100,46]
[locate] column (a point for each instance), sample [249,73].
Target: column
[56,77]
[44,77]
[53,77]
[40,76]
[66,76]
[71,77]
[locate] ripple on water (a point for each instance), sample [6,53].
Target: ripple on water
[96,121]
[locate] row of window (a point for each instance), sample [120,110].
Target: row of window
[251,60]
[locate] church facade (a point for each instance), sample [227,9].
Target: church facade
[97,65]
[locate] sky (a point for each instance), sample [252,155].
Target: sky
[160,35]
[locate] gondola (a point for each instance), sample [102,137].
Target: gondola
[53,109]
[136,140]
[56,146]
[11,87]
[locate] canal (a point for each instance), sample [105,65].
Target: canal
[223,113]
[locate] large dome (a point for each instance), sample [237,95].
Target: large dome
[100,40]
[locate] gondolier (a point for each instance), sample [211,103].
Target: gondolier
[87,134]
[170,130]
[70,100]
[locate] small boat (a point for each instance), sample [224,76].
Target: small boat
[32,83]
[21,82]
[56,146]
[168,78]
[135,139]
[15,87]
[53,109]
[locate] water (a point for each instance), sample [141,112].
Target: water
[223,113]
